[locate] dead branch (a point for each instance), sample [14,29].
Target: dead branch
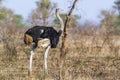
[64,39]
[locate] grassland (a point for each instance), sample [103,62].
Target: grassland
[88,58]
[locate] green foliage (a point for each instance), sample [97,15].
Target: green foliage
[73,22]
[111,22]
[19,21]
[3,13]
[117,3]
[42,14]
[63,16]
[9,18]
[117,19]
[107,23]
[8,15]
[117,25]
[45,4]
[2,16]
[108,18]
[1,2]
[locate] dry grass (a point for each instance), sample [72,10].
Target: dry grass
[88,58]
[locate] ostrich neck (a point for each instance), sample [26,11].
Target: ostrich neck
[61,21]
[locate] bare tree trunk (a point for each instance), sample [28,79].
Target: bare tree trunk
[64,39]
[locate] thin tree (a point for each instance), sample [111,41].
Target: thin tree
[43,13]
[64,39]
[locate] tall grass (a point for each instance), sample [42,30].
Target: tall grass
[94,56]
[11,39]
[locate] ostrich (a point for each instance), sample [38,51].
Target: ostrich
[43,33]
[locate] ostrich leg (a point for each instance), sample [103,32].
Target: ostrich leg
[45,59]
[31,57]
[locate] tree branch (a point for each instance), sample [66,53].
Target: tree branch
[64,39]
[63,47]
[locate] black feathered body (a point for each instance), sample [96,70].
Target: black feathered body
[40,32]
